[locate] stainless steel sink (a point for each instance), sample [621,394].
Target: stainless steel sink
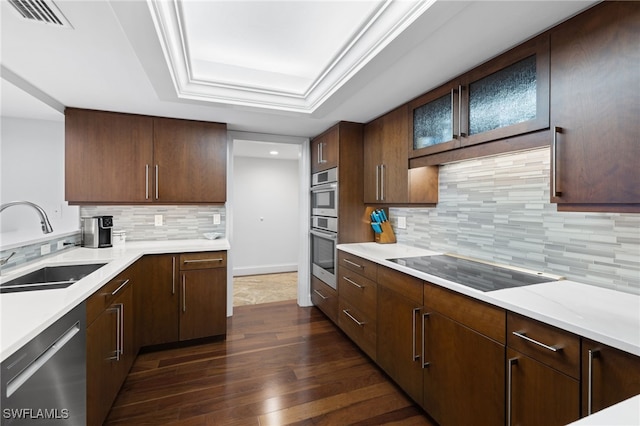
[49,277]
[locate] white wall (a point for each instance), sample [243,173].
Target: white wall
[32,169]
[266,215]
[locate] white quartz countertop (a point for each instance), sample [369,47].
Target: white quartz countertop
[25,314]
[607,316]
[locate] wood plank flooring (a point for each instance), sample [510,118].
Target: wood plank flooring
[280,365]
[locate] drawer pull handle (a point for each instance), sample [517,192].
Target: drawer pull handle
[593,353]
[346,312]
[522,335]
[414,355]
[510,364]
[425,364]
[119,288]
[320,294]
[219,259]
[352,263]
[353,282]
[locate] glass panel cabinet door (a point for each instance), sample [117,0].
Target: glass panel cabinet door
[434,121]
[507,96]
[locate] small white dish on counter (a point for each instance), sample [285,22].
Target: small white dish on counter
[212,235]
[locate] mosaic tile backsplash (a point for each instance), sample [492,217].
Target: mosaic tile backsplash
[498,209]
[179,222]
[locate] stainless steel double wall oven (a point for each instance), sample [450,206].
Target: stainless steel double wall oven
[324,225]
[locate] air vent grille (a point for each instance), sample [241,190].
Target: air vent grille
[44,11]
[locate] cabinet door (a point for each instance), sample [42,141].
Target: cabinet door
[203,305]
[324,150]
[595,106]
[609,376]
[538,394]
[157,297]
[463,375]
[102,384]
[434,121]
[190,161]
[399,340]
[507,96]
[107,157]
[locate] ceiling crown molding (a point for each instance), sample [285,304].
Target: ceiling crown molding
[377,28]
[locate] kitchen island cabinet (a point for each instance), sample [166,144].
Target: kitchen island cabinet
[594,109]
[609,376]
[131,159]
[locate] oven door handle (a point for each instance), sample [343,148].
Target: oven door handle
[321,234]
[325,187]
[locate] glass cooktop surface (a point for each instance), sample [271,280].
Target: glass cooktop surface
[477,275]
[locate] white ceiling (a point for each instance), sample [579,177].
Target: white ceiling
[274,67]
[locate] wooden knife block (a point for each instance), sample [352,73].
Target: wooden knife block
[387,236]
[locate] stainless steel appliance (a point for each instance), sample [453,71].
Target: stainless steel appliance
[44,382]
[97,231]
[324,255]
[324,194]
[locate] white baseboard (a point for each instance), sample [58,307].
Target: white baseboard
[264,269]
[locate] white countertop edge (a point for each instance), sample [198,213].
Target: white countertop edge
[517,299]
[47,306]
[625,413]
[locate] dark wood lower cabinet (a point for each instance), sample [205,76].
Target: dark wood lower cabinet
[538,394]
[203,303]
[463,374]
[609,376]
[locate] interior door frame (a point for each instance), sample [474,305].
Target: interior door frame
[304,282]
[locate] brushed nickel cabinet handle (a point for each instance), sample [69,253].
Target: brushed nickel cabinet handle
[184,293]
[414,355]
[113,293]
[377,182]
[121,328]
[320,294]
[218,259]
[347,313]
[523,335]
[453,108]
[173,275]
[460,132]
[353,282]
[157,189]
[510,364]
[353,263]
[146,181]
[425,364]
[557,192]
[382,167]
[593,353]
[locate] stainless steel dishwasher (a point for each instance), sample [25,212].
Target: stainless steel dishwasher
[44,382]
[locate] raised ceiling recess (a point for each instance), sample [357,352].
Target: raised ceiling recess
[285,55]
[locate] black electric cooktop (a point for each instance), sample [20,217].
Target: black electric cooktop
[477,275]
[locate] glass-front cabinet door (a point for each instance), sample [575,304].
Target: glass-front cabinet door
[507,96]
[434,121]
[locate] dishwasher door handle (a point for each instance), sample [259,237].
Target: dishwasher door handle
[14,384]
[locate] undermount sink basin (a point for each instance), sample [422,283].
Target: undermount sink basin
[49,277]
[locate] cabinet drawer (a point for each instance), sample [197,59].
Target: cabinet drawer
[359,291]
[360,328]
[486,319]
[406,285]
[357,264]
[325,298]
[550,345]
[203,260]
[101,299]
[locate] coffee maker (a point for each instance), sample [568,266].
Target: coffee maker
[97,231]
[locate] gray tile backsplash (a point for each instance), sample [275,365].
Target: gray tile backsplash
[498,209]
[179,222]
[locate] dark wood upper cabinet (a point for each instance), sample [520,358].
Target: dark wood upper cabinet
[324,150]
[503,98]
[595,108]
[387,178]
[107,156]
[131,159]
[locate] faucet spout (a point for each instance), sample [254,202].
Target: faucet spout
[44,220]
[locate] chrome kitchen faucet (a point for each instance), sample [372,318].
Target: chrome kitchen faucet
[44,220]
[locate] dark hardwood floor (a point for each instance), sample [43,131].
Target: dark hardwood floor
[280,365]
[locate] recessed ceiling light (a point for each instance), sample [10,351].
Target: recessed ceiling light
[273,152]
